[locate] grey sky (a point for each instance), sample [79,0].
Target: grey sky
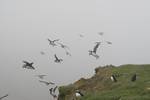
[26,24]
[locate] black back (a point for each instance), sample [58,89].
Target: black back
[115,80]
[133,78]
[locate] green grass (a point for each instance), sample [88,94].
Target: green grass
[100,87]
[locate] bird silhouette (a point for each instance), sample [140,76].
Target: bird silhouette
[3,96]
[133,78]
[95,48]
[47,83]
[41,76]
[57,60]
[51,90]
[28,65]
[108,42]
[63,46]
[81,35]
[101,33]
[55,89]
[42,53]
[52,94]
[93,52]
[52,42]
[67,53]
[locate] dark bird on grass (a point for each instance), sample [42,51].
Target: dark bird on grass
[113,78]
[41,76]
[101,33]
[78,93]
[47,83]
[28,65]
[3,96]
[108,42]
[57,60]
[53,42]
[63,46]
[133,78]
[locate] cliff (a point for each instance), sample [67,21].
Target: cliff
[101,87]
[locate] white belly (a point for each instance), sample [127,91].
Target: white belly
[78,95]
[112,78]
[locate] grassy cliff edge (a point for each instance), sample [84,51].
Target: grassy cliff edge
[100,87]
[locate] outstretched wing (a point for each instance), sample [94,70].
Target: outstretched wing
[42,81]
[101,33]
[26,62]
[96,47]
[49,40]
[81,35]
[3,96]
[63,46]
[67,53]
[108,42]
[51,90]
[56,57]
[41,76]
[42,53]
[51,83]
[95,55]
[31,67]
[24,66]
[55,89]
[56,40]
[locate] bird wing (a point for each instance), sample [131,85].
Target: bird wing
[56,57]
[96,47]
[3,96]
[60,44]
[42,53]
[100,33]
[81,35]
[50,90]
[56,40]
[67,53]
[49,40]
[54,89]
[51,83]
[26,62]
[31,67]
[108,42]
[43,81]
[24,66]
[81,93]
[41,76]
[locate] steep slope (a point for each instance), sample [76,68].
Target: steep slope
[100,86]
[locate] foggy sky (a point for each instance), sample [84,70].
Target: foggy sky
[25,26]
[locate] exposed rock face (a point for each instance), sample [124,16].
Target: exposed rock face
[102,74]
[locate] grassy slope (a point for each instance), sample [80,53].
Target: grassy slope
[100,87]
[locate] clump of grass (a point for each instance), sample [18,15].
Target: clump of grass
[65,90]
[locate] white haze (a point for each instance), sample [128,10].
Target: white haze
[25,26]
